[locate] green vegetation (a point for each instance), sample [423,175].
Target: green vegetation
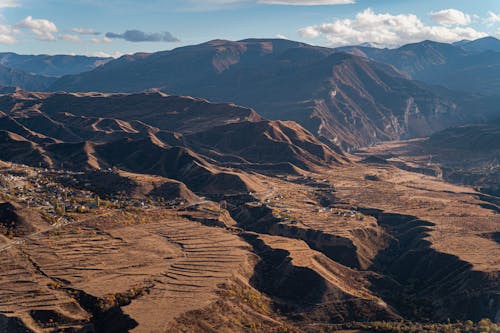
[249,296]
[483,326]
[60,209]
[120,299]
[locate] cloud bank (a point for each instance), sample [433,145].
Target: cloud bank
[392,30]
[71,38]
[9,4]
[450,17]
[306,2]
[83,31]
[493,18]
[221,4]
[43,29]
[7,34]
[141,36]
[104,40]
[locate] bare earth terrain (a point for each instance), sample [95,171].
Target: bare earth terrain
[232,223]
[317,247]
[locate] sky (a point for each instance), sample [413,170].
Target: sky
[117,27]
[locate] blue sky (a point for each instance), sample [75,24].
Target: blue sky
[100,27]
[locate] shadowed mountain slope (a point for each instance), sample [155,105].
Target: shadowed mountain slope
[484,137]
[19,78]
[47,65]
[37,72]
[84,132]
[482,44]
[342,98]
[472,67]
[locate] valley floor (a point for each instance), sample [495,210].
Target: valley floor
[363,242]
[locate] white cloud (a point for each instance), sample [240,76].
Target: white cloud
[280,36]
[83,31]
[313,31]
[307,2]
[218,2]
[493,18]
[104,40]
[7,33]
[386,30]
[451,17]
[71,38]
[105,55]
[42,28]
[221,4]
[9,3]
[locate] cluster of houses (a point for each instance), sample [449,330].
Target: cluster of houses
[35,188]
[60,192]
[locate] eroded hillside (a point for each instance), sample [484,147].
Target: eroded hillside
[157,213]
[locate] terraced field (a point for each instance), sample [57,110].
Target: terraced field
[210,256]
[26,294]
[156,271]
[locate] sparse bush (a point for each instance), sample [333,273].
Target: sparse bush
[483,326]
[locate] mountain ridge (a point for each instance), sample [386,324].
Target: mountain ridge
[472,66]
[52,126]
[284,80]
[51,65]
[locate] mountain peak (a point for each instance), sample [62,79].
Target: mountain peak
[489,43]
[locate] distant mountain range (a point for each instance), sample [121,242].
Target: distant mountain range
[467,66]
[480,45]
[18,78]
[344,99]
[38,72]
[47,65]
[351,96]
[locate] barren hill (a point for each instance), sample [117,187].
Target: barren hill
[83,132]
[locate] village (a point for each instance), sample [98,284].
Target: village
[43,189]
